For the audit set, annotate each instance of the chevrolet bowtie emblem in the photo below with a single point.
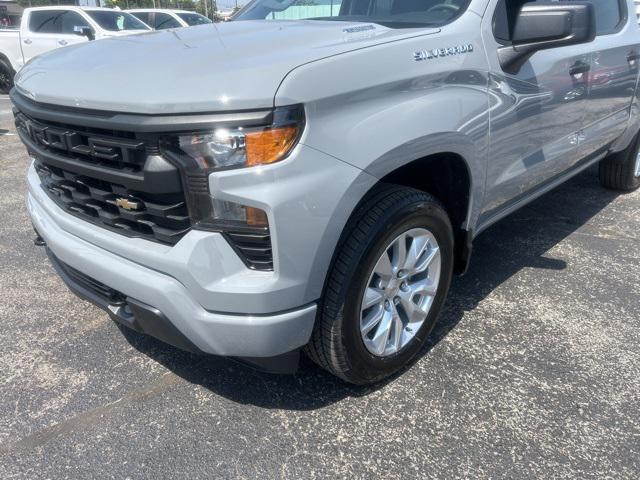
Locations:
(128, 204)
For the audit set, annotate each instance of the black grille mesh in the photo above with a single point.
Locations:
(165, 220)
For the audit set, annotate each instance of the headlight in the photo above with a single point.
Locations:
(200, 153)
(224, 148)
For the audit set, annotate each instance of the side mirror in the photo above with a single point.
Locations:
(84, 32)
(544, 25)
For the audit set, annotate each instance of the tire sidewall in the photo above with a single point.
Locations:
(419, 215)
(631, 182)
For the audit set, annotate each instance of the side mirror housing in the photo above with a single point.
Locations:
(85, 32)
(544, 25)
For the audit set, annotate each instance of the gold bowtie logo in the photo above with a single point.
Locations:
(128, 204)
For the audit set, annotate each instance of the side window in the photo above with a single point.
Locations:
(609, 15)
(142, 16)
(69, 21)
(164, 20)
(44, 21)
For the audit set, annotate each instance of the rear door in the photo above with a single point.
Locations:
(615, 66)
(51, 29)
(537, 114)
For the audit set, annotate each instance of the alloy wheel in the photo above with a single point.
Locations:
(400, 292)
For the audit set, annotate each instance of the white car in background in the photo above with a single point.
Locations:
(161, 19)
(47, 28)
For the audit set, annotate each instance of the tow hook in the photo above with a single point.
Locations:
(39, 241)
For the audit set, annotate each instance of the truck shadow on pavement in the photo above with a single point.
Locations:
(518, 242)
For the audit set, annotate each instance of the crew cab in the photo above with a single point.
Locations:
(47, 28)
(310, 177)
(161, 18)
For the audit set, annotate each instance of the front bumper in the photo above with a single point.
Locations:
(234, 335)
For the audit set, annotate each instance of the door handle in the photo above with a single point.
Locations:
(62, 42)
(579, 68)
(27, 41)
(633, 57)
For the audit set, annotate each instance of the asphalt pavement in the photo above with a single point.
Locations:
(532, 372)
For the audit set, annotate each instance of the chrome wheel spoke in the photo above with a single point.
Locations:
(399, 253)
(398, 327)
(426, 287)
(381, 337)
(383, 268)
(416, 251)
(372, 296)
(372, 319)
(415, 312)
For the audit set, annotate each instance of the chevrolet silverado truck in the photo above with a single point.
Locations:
(310, 177)
(46, 28)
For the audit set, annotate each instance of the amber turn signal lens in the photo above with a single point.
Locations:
(269, 145)
(256, 217)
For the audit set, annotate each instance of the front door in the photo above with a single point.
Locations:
(537, 113)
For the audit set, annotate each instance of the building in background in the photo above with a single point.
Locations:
(10, 14)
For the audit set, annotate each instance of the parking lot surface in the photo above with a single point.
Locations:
(533, 370)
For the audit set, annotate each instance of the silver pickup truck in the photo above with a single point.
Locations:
(310, 177)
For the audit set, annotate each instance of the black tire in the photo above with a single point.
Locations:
(336, 343)
(618, 171)
(6, 76)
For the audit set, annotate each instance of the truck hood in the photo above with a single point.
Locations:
(229, 66)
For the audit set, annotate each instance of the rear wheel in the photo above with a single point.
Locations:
(387, 286)
(6, 76)
(621, 171)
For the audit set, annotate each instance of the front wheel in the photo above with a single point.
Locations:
(389, 280)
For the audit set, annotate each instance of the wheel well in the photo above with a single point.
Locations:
(446, 177)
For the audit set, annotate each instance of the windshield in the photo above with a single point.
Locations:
(193, 19)
(390, 13)
(115, 21)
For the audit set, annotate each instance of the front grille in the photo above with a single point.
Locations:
(165, 220)
(112, 179)
(108, 148)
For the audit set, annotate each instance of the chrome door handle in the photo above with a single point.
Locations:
(62, 42)
(633, 57)
(27, 41)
